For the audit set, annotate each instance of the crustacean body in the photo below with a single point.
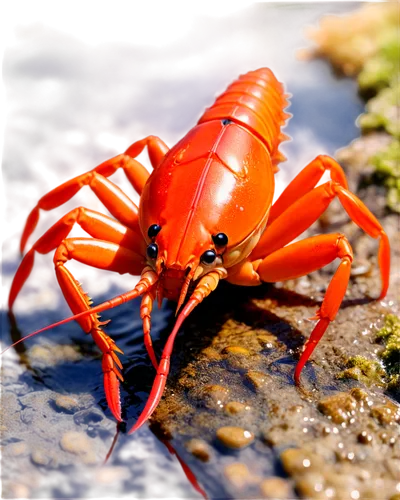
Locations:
(205, 214)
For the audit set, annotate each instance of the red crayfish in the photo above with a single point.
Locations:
(205, 214)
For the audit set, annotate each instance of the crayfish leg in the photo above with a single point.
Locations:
(145, 313)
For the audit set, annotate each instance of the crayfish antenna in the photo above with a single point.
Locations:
(206, 285)
(186, 469)
(148, 279)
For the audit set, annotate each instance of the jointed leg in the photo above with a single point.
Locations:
(98, 225)
(299, 206)
(156, 147)
(113, 198)
(103, 255)
(304, 257)
(145, 313)
(152, 148)
(305, 181)
(306, 210)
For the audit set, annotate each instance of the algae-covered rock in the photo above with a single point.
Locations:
(383, 111)
(364, 370)
(366, 44)
(377, 72)
(390, 335)
(387, 165)
(371, 371)
(351, 42)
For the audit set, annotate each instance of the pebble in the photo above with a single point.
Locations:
(257, 379)
(39, 457)
(235, 407)
(238, 475)
(275, 487)
(211, 353)
(109, 475)
(19, 490)
(234, 437)
(79, 444)
(340, 407)
(364, 438)
(311, 485)
(51, 355)
(297, 461)
(18, 449)
(386, 414)
(238, 358)
(66, 404)
(199, 449)
(213, 396)
(236, 351)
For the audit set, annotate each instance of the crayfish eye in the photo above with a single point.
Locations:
(220, 239)
(208, 257)
(153, 230)
(152, 251)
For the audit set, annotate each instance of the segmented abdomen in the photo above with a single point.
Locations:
(256, 101)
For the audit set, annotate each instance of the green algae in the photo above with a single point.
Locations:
(387, 373)
(378, 71)
(366, 45)
(389, 334)
(383, 111)
(387, 164)
(364, 370)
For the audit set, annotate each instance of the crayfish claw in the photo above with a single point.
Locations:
(112, 378)
(111, 388)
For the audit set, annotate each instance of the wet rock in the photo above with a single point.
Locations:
(45, 297)
(109, 475)
(299, 461)
(386, 414)
(40, 457)
(340, 407)
(235, 407)
(236, 351)
(234, 437)
(199, 449)
(364, 370)
(239, 475)
(211, 354)
(258, 379)
(66, 404)
(237, 357)
(51, 355)
(211, 396)
(275, 487)
(18, 449)
(77, 443)
(88, 416)
(364, 437)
